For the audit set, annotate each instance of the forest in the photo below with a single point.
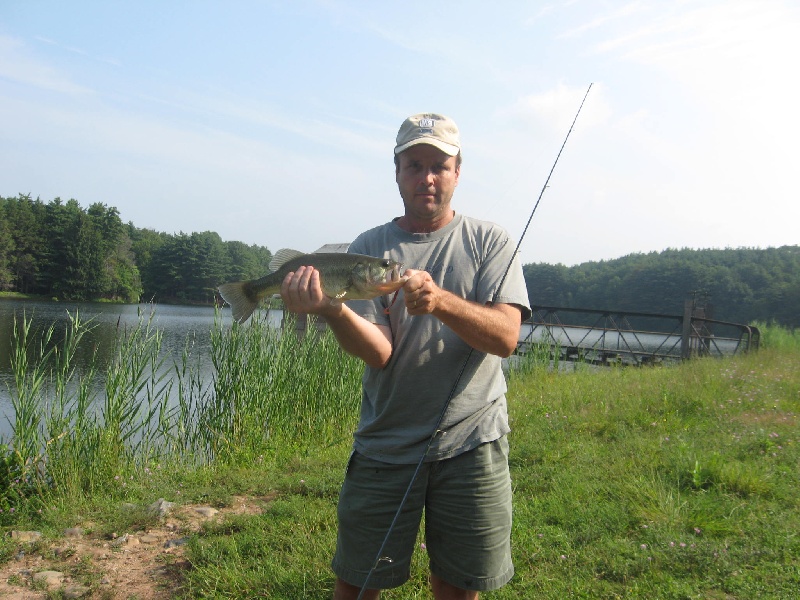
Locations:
(60, 250)
(742, 285)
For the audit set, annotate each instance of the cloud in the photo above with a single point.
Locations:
(554, 110)
(17, 65)
(625, 11)
(248, 115)
(729, 34)
(78, 51)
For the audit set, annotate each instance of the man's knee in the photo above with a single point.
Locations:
(345, 591)
(445, 591)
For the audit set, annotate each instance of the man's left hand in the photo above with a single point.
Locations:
(421, 293)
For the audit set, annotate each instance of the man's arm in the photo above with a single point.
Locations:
(302, 293)
(489, 328)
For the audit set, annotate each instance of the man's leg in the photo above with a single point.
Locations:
(345, 591)
(368, 503)
(445, 591)
(468, 517)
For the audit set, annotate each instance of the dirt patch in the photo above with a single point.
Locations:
(145, 565)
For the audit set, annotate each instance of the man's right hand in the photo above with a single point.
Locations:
(301, 292)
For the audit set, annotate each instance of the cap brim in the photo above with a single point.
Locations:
(448, 149)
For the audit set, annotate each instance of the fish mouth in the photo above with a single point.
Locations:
(392, 281)
(394, 274)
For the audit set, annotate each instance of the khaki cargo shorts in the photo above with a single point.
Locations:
(467, 505)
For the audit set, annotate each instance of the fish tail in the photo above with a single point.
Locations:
(242, 302)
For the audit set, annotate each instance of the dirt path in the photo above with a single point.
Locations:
(145, 565)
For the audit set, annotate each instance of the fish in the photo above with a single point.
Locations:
(342, 277)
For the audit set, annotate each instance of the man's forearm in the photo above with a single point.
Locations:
(359, 337)
(492, 329)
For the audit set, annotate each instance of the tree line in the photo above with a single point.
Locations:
(60, 250)
(743, 284)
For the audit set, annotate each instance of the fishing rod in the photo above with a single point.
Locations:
(379, 558)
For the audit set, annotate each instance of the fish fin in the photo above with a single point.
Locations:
(338, 298)
(283, 256)
(235, 294)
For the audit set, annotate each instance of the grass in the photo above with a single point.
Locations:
(670, 483)
(678, 482)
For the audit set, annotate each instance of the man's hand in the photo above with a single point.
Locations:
(488, 328)
(301, 292)
(421, 294)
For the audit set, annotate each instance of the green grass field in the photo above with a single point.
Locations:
(676, 482)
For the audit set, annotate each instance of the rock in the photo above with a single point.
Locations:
(26, 536)
(148, 539)
(73, 532)
(75, 591)
(206, 511)
(161, 507)
(177, 542)
(49, 578)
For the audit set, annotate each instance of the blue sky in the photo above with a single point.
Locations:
(273, 123)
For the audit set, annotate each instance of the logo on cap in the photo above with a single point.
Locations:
(426, 125)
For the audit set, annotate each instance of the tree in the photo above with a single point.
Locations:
(6, 251)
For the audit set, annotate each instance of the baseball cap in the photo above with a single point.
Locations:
(429, 128)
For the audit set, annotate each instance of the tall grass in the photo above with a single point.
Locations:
(775, 336)
(273, 388)
(79, 432)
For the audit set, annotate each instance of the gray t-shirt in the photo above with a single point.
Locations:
(402, 402)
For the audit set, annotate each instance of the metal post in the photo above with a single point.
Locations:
(686, 331)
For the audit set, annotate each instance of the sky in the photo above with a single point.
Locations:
(273, 123)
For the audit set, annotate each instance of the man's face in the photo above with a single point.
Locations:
(426, 178)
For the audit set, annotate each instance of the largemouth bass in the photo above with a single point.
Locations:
(342, 276)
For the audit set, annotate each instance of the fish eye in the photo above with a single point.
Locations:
(386, 263)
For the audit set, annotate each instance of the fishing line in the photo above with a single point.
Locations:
(380, 556)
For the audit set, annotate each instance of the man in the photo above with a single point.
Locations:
(415, 349)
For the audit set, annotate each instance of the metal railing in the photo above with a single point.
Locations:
(632, 338)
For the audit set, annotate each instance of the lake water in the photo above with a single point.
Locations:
(178, 325)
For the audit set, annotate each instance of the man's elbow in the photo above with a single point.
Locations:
(509, 331)
(507, 348)
(504, 346)
(378, 360)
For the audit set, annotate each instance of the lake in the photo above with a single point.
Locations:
(179, 325)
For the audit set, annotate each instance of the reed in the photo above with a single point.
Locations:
(78, 431)
(778, 337)
(274, 387)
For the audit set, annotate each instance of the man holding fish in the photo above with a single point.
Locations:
(449, 317)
